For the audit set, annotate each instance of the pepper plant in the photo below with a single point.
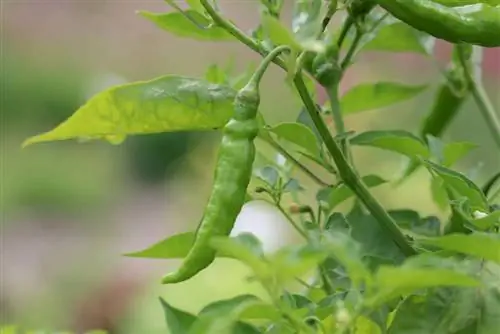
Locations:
(365, 270)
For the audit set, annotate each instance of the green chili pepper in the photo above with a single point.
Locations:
(232, 176)
(477, 24)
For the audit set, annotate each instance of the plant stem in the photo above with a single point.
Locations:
(349, 176)
(297, 163)
(352, 49)
(345, 29)
(294, 224)
(478, 92)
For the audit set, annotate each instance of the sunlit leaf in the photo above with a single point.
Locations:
(399, 141)
(179, 25)
(165, 104)
(369, 96)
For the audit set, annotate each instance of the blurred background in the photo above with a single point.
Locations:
(69, 210)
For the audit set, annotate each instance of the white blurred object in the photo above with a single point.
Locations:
(266, 223)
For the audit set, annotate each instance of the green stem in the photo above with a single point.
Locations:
(297, 163)
(294, 224)
(349, 176)
(482, 100)
(264, 64)
(352, 49)
(345, 29)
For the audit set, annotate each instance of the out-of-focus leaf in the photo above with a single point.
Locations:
(179, 25)
(396, 37)
(369, 96)
(342, 192)
(399, 141)
(481, 245)
(165, 104)
(174, 247)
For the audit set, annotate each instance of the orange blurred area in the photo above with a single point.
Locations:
(70, 210)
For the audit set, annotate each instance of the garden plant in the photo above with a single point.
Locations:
(364, 270)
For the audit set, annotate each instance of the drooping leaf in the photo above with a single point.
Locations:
(396, 37)
(461, 185)
(369, 96)
(166, 104)
(298, 134)
(174, 247)
(178, 321)
(482, 245)
(179, 25)
(399, 141)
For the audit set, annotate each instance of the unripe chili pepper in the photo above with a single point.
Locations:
(232, 176)
(477, 24)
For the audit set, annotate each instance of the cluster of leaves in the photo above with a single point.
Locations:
(363, 282)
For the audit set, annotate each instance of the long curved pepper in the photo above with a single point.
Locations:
(231, 178)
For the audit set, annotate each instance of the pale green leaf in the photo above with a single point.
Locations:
(396, 37)
(174, 247)
(298, 134)
(178, 321)
(477, 244)
(399, 141)
(369, 96)
(166, 104)
(179, 25)
(342, 192)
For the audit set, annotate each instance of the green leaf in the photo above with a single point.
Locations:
(269, 175)
(374, 240)
(216, 75)
(294, 261)
(399, 141)
(165, 104)
(369, 96)
(260, 311)
(460, 185)
(487, 221)
(438, 192)
(342, 192)
(456, 151)
(396, 37)
(278, 33)
(307, 19)
(298, 134)
(222, 317)
(178, 321)
(397, 281)
(174, 247)
(442, 311)
(481, 245)
(306, 120)
(348, 253)
(195, 5)
(179, 25)
(248, 251)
